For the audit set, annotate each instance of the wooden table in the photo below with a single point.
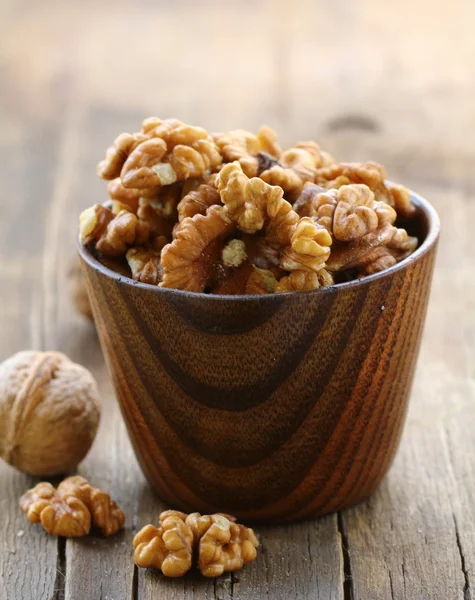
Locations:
(394, 82)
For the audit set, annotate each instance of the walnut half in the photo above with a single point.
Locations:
(69, 510)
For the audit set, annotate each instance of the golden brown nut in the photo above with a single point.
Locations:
(145, 265)
(242, 146)
(375, 247)
(370, 173)
(252, 203)
(244, 198)
(49, 412)
(267, 140)
(198, 201)
(173, 152)
(348, 213)
(144, 167)
(190, 261)
(286, 178)
(106, 515)
(304, 280)
(309, 247)
(116, 155)
(400, 199)
(354, 215)
(223, 545)
(93, 222)
(376, 260)
(311, 198)
(401, 244)
(168, 548)
(296, 167)
(196, 159)
(60, 514)
(261, 281)
(111, 233)
(322, 158)
(123, 231)
(128, 197)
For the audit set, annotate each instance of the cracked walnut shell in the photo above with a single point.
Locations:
(49, 412)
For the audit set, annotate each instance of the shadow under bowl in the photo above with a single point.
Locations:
(274, 408)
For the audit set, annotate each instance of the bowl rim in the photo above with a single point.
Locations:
(429, 241)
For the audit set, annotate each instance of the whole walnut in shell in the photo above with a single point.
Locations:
(49, 412)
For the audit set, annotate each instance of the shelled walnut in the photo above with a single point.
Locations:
(49, 412)
(217, 214)
(168, 547)
(219, 543)
(70, 509)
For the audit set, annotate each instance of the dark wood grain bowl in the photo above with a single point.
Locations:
(274, 408)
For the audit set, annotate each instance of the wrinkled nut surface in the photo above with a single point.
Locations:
(304, 280)
(145, 265)
(168, 547)
(309, 247)
(69, 510)
(198, 201)
(49, 412)
(106, 515)
(203, 213)
(224, 545)
(221, 545)
(370, 173)
(60, 514)
(189, 261)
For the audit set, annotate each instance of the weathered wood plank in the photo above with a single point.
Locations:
(28, 557)
(94, 567)
(298, 561)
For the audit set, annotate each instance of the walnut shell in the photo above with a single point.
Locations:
(49, 412)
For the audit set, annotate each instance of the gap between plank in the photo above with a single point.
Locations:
(467, 594)
(348, 592)
(60, 579)
(135, 583)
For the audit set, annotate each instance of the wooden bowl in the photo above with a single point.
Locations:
(274, 408)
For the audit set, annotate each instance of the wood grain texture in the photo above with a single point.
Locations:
(277, 408)
(368, 80)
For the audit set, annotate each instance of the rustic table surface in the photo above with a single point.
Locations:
(394, 82)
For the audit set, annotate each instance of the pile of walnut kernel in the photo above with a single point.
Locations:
(233, 213)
